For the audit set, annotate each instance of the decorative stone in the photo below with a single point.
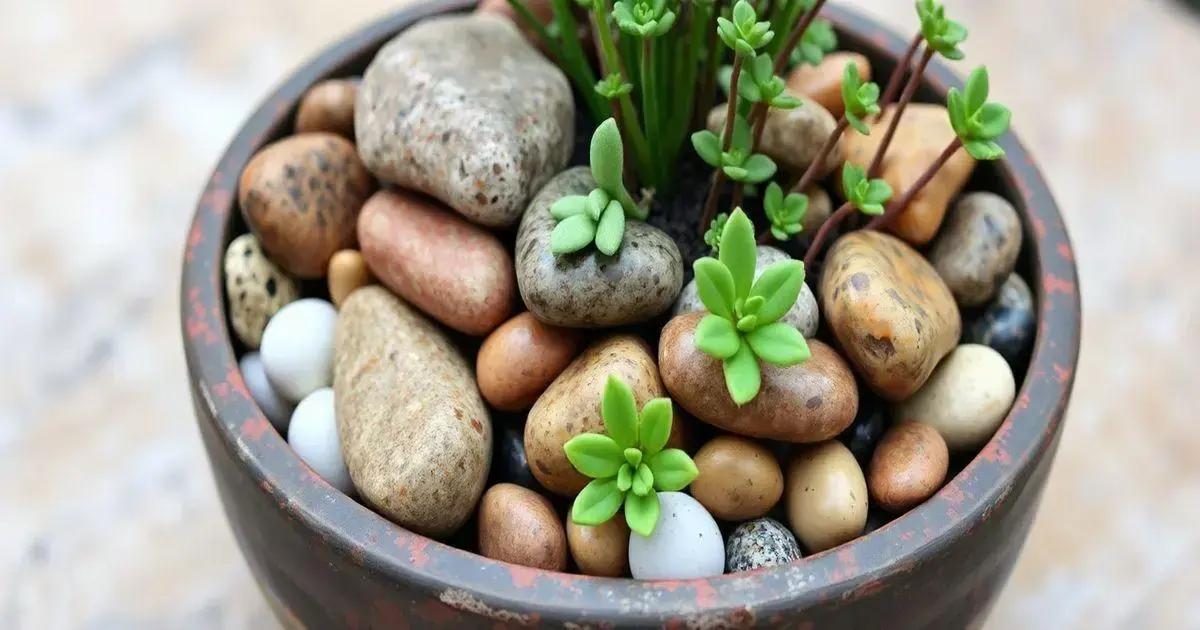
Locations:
(804, 314)
(461, 107)
(274, 407)
(792, 137)
(890, 311)
(312, 433)
(328, 106)
(1007, 324)
(922, 135)
(977, 247)
(602, 550)
(571, 406)
(809, 402)
(966, 399)
(764, 542)
(588, 289)
(863, 435)
(415, 433)
(519, 360)
(739, 478)
(685, 544)
(508, 462)
(520, 526)
(347, 271)
(820, 207)
(456, 272)
(908, 466)
(297, 348)
(826, 495)
(301, 197)
(256, 288)
(822, 83)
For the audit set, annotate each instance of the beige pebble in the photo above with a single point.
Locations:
(602, 550)
(347, 272)
(520, 526)
(826, 496)
(739, 478)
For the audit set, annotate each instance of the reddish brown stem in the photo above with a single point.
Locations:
(827, 228)
(810, 174)
(714, 192)
(910, 89)
(899, 204)
(765, 237)
(759, 112)
(894, 81)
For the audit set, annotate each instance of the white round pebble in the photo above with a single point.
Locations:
(297, 348)
(313, 435)
(686, 543)
(277, 410)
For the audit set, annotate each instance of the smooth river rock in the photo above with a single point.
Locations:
(822, 83)
(297, 348)
(826, 495)
(739, 478)
(1008, 323)
(463, 108)
(588, 289)
(415, 433)
(519, 360)
(520, 526)
(809, 402)
(312, 433)
(892, 315)
(328, 106)
(347, 271)
(255, 287)
(792, 137)
(685, 544)
(601, 550)
(908, 466)
(455, 271)
(977, 247)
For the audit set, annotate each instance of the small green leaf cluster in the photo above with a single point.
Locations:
(742, 326)
(860, 98)
(739, 163)
(643, 18)
(712, 236)
(977, 122)
(629, 465)
(784, 212)
(760, 84)
(599, 216)
(818, 40)
(869, 196)
(744, 34)
(613, 86)
(941, 34)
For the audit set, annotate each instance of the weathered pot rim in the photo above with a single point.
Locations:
(507, 592)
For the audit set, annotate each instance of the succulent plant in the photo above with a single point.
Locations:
(976, 122)
(599, 216)
(786, 213)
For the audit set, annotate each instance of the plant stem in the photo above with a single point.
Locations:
(765, 237)
(897, 205)
(810, 174)
(910, 89)
(759, 114)
(827, 228)
(902, 67)
(612, 61)
(714, 192)
(650, 107)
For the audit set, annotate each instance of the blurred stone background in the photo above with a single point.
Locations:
(112, 114)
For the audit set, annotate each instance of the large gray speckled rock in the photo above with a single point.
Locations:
(803, 315)
(763, 542)
(588, 289)
(977, 247)
(463, 108)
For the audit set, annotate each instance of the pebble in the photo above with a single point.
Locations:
(328, 106)
(520, 526)
(274, 407)
(685, 545)
(792, 137)
(820, 207)
(301, 197)
(602, 550)
(347, 271)
(822, 83)
(297, 348)
(891, 313)
(519, 360)
(922, 135)
(589, 289)
(826, 495)
(313, 434)
(869, 426)
(977, 247)
(415, 432)
(908, 466)
(508, 462)
(764, 542)
(809, 402)
(1007, 324)
(739, 478)
(256, 287)
(804, 314)
(456, 272)
(481, 124)
(966, 399)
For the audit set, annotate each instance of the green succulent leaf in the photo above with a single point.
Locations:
(712, 237)
(654, 429)
(744, 33)
(878, 191)
(784, 213)
(747, 323)
(749, 89)
(742, 376)
(597, 502)
(853, 176)
(643, 18)
(641, 512)
(572, 234)
(738, 252)
(861, 99)
(633, 457)
(715, 285)
(759, 168)
(983, 150)
(785, 101)
(742, 134)
(673, 470)
(818, 39)
(594, 455)
(611, 229)
(993, 120)
(717, 337)
(643, 480)
(607, 156)
(613, 86)
(779, 344)
(708, 147)
(736, 173)
(977, 122)
(597, 200)
(568, 206)
(625, 477)
(941, 34)
(779, 286)
(618, 409)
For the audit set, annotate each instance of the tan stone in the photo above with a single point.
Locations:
(822, 83)
(908, 466)
(347, 272)
(520, 526)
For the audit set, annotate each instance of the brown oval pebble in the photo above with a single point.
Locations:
(457, 272)
(520, 359)
(823, 82)
(347, 272)
(826, 495)
(602, 550)
(739, 479)
(301, 197)
(520, 526)
(328, 106)
(908, 466)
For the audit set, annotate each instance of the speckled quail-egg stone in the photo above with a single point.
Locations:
(763, 542)
(685, 544)
(313, 434)
(256, 287)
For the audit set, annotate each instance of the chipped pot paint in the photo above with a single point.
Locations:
(323, 560)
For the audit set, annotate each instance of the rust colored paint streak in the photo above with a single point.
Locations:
(194, 241)
(1063, 374)
(198, 328)
(847, 564)
(706, 595)
(233, 377)
(522, 577)
(994, 451)
(255, 427)
(416, 548)
(1039, 227)
(1065, 252)
(1054, 284)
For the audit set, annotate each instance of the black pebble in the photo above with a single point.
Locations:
(868, 426)
(1007, 323)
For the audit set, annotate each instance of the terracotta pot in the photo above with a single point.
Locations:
(323, 560)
